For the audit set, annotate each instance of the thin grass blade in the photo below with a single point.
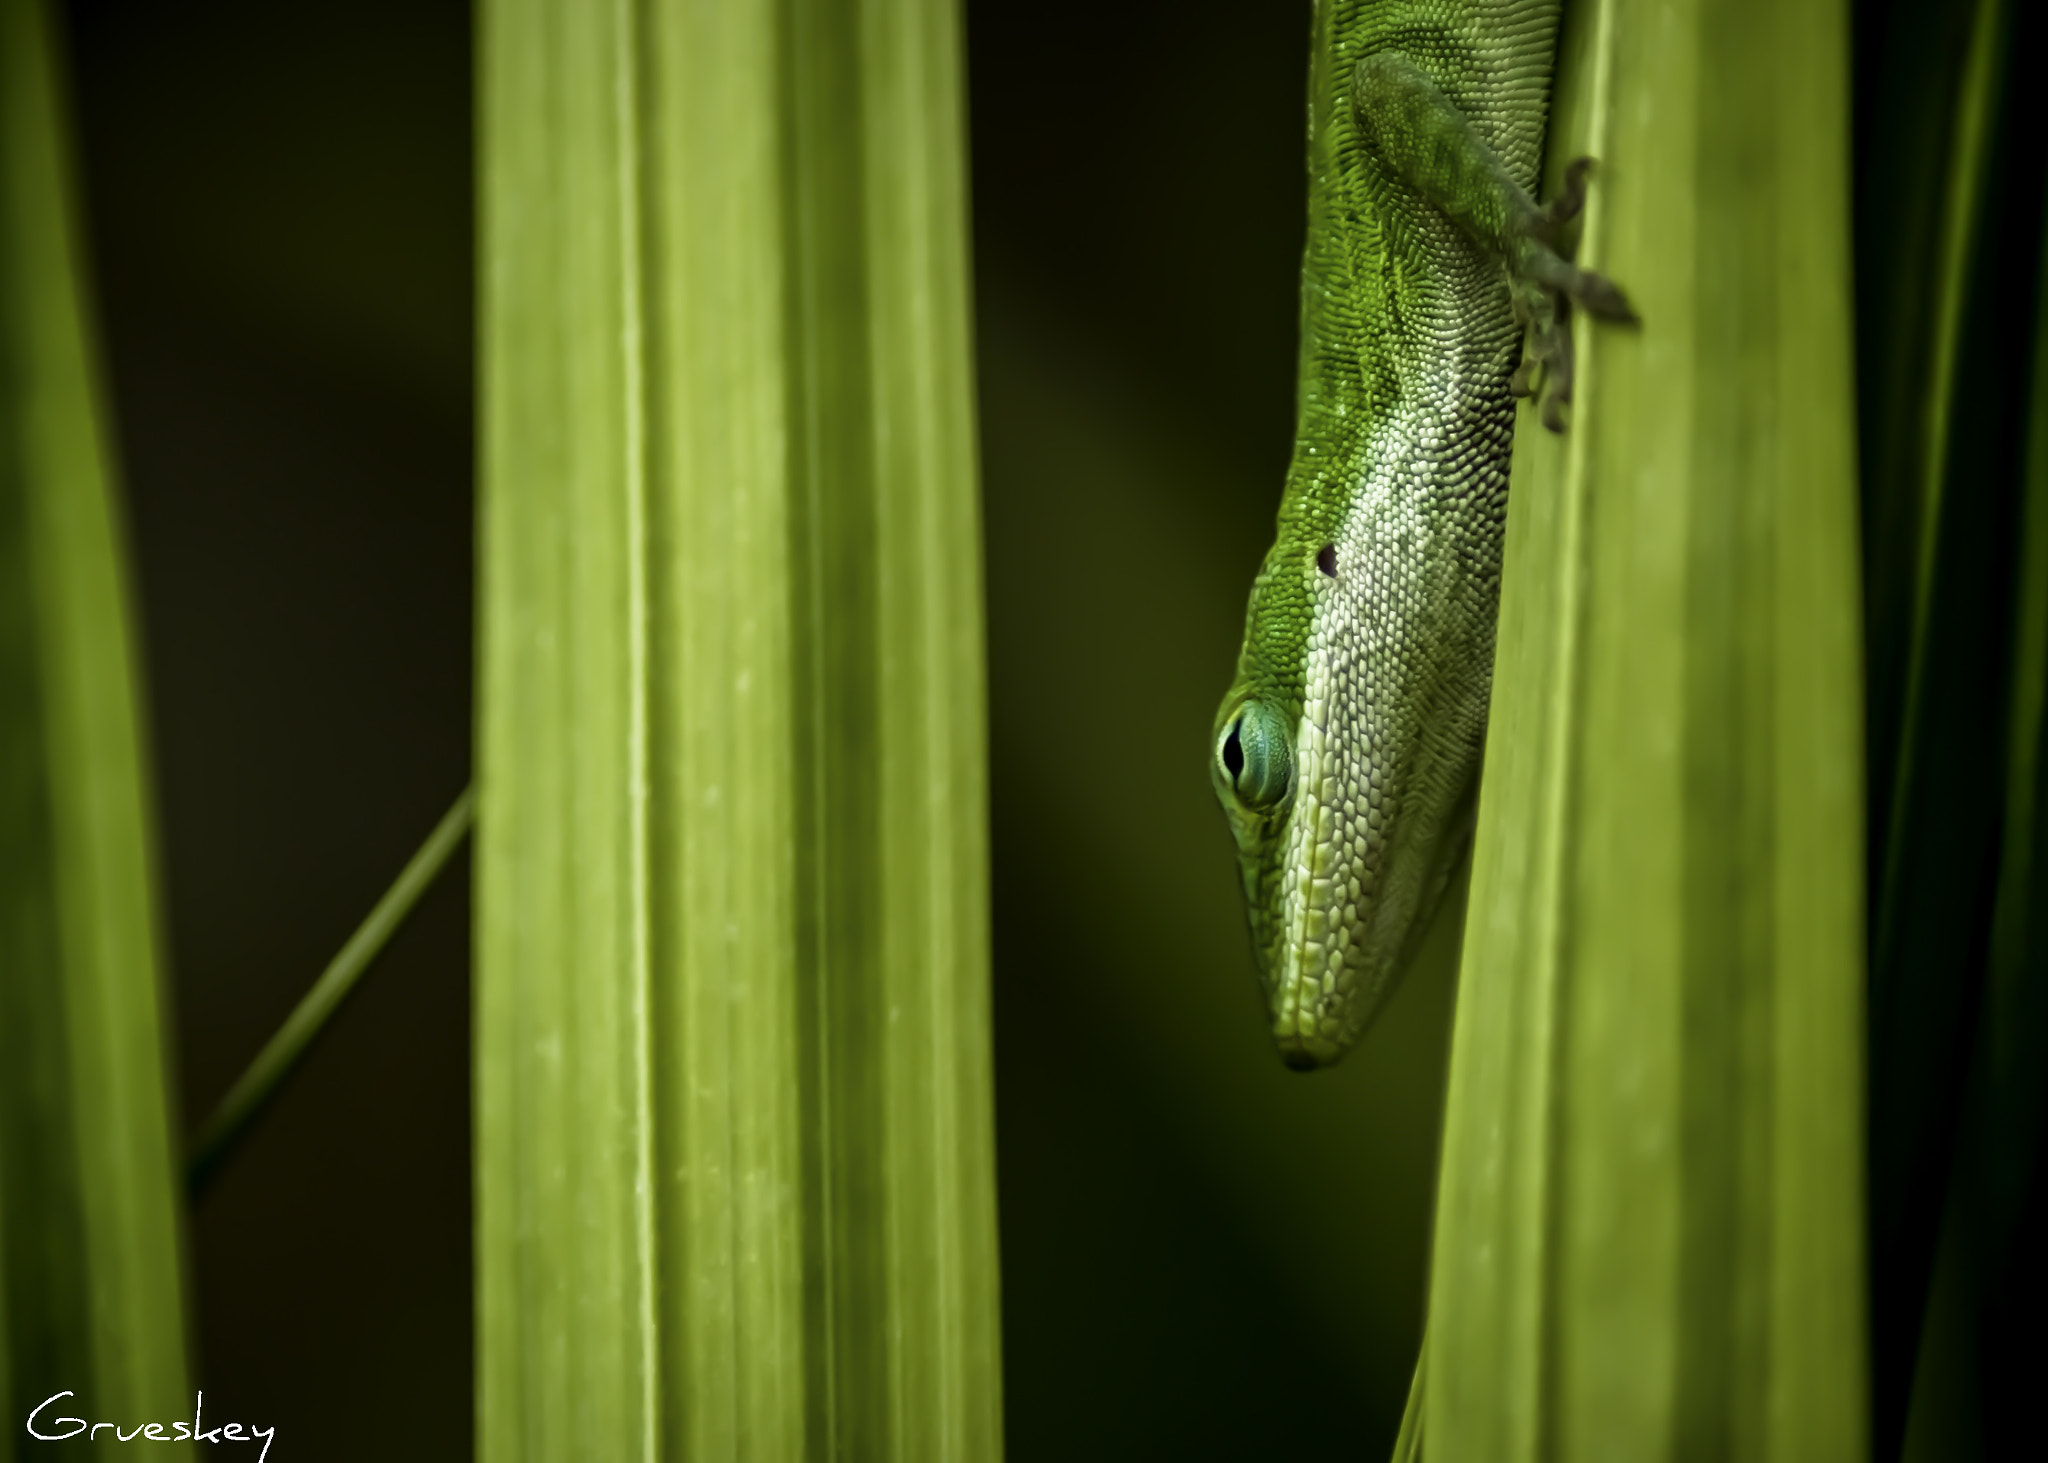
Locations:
(280, 1056)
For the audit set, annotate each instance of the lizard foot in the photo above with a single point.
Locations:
(1546, 285)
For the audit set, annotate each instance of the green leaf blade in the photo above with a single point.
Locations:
(1648, 1234)
(91, 1263)
(735, 1173)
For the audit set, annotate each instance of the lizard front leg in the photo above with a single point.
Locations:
(1427, 141)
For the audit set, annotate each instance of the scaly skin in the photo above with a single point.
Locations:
(1346, 753)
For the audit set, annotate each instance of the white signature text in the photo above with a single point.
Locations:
(63, 1428)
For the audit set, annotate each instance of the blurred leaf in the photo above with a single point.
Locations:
(734, 1135)
(1408, 1441)
(1976, 1354)
(1948, 259)
(1648, 1237)
(90, 1262)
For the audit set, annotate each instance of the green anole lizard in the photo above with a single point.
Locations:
(1346, 752)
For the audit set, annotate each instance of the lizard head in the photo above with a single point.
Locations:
(1344, 756)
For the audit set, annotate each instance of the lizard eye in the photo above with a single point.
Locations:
(1255, 758)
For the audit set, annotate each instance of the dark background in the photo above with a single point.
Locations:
(1203, 1255)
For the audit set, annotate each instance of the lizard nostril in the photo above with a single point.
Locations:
(1326, 560)
(1298, 1061)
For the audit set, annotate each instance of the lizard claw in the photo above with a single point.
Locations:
(1562, 209)
(1545, 285)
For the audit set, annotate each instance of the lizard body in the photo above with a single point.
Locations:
(1346, 752)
